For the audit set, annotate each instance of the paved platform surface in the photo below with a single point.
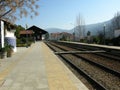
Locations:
(36, 68)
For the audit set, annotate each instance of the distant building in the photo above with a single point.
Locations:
(117, 33)
(61, 36)
(55, 36)
(26, 33)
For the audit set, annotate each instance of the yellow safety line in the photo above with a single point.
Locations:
(57, 76)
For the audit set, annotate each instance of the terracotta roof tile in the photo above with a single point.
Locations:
(26, 32)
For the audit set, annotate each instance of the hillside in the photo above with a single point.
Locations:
(93, 28)
(54, 30)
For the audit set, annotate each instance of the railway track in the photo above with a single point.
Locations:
(109, 54)
(79, 63)
(110, 64)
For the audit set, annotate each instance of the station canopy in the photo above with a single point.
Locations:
(37, 30)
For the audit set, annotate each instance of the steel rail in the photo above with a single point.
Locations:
(107, 69)
(94, 83)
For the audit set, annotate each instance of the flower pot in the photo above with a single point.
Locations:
(2, 55)
(9, 53)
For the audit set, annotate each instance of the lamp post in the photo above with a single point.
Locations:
(26, 36)
(73, 31)
(104, 33)
(73, 34)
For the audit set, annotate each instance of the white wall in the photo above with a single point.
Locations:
(117, 33)
(11, 39)
(2, 33)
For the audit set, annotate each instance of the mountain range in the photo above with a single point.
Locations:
(93, 28)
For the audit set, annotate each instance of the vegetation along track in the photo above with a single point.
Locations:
(100, 75)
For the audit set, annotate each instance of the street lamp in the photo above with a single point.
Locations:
(26, 36)
(104, 26)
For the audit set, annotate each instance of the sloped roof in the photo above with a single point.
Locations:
(26, 32)
(37, 30)
(8, 23)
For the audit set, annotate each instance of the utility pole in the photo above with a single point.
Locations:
(104, 42)
(73, 31)
(74, 34)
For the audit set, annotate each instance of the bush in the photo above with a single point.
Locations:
(9, 50)
(116, 41)
(23, 42)
(83, 40)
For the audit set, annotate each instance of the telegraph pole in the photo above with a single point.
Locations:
(104, 33)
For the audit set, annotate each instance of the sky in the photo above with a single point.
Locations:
(62, 13)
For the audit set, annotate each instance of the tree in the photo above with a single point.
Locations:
(100, 37)
(116, 21)
(11, 10)
(63, 38)
(88, 33)
(47, 36)
(18, 29)
(114, 25)
(80, 29)
(89, 37)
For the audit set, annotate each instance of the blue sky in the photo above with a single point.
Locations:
(62, 13)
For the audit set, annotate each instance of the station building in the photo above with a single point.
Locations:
(38, 32)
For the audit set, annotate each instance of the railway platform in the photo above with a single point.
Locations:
(37, 68)
(95, 45)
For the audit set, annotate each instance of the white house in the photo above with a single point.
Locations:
(7, 34)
